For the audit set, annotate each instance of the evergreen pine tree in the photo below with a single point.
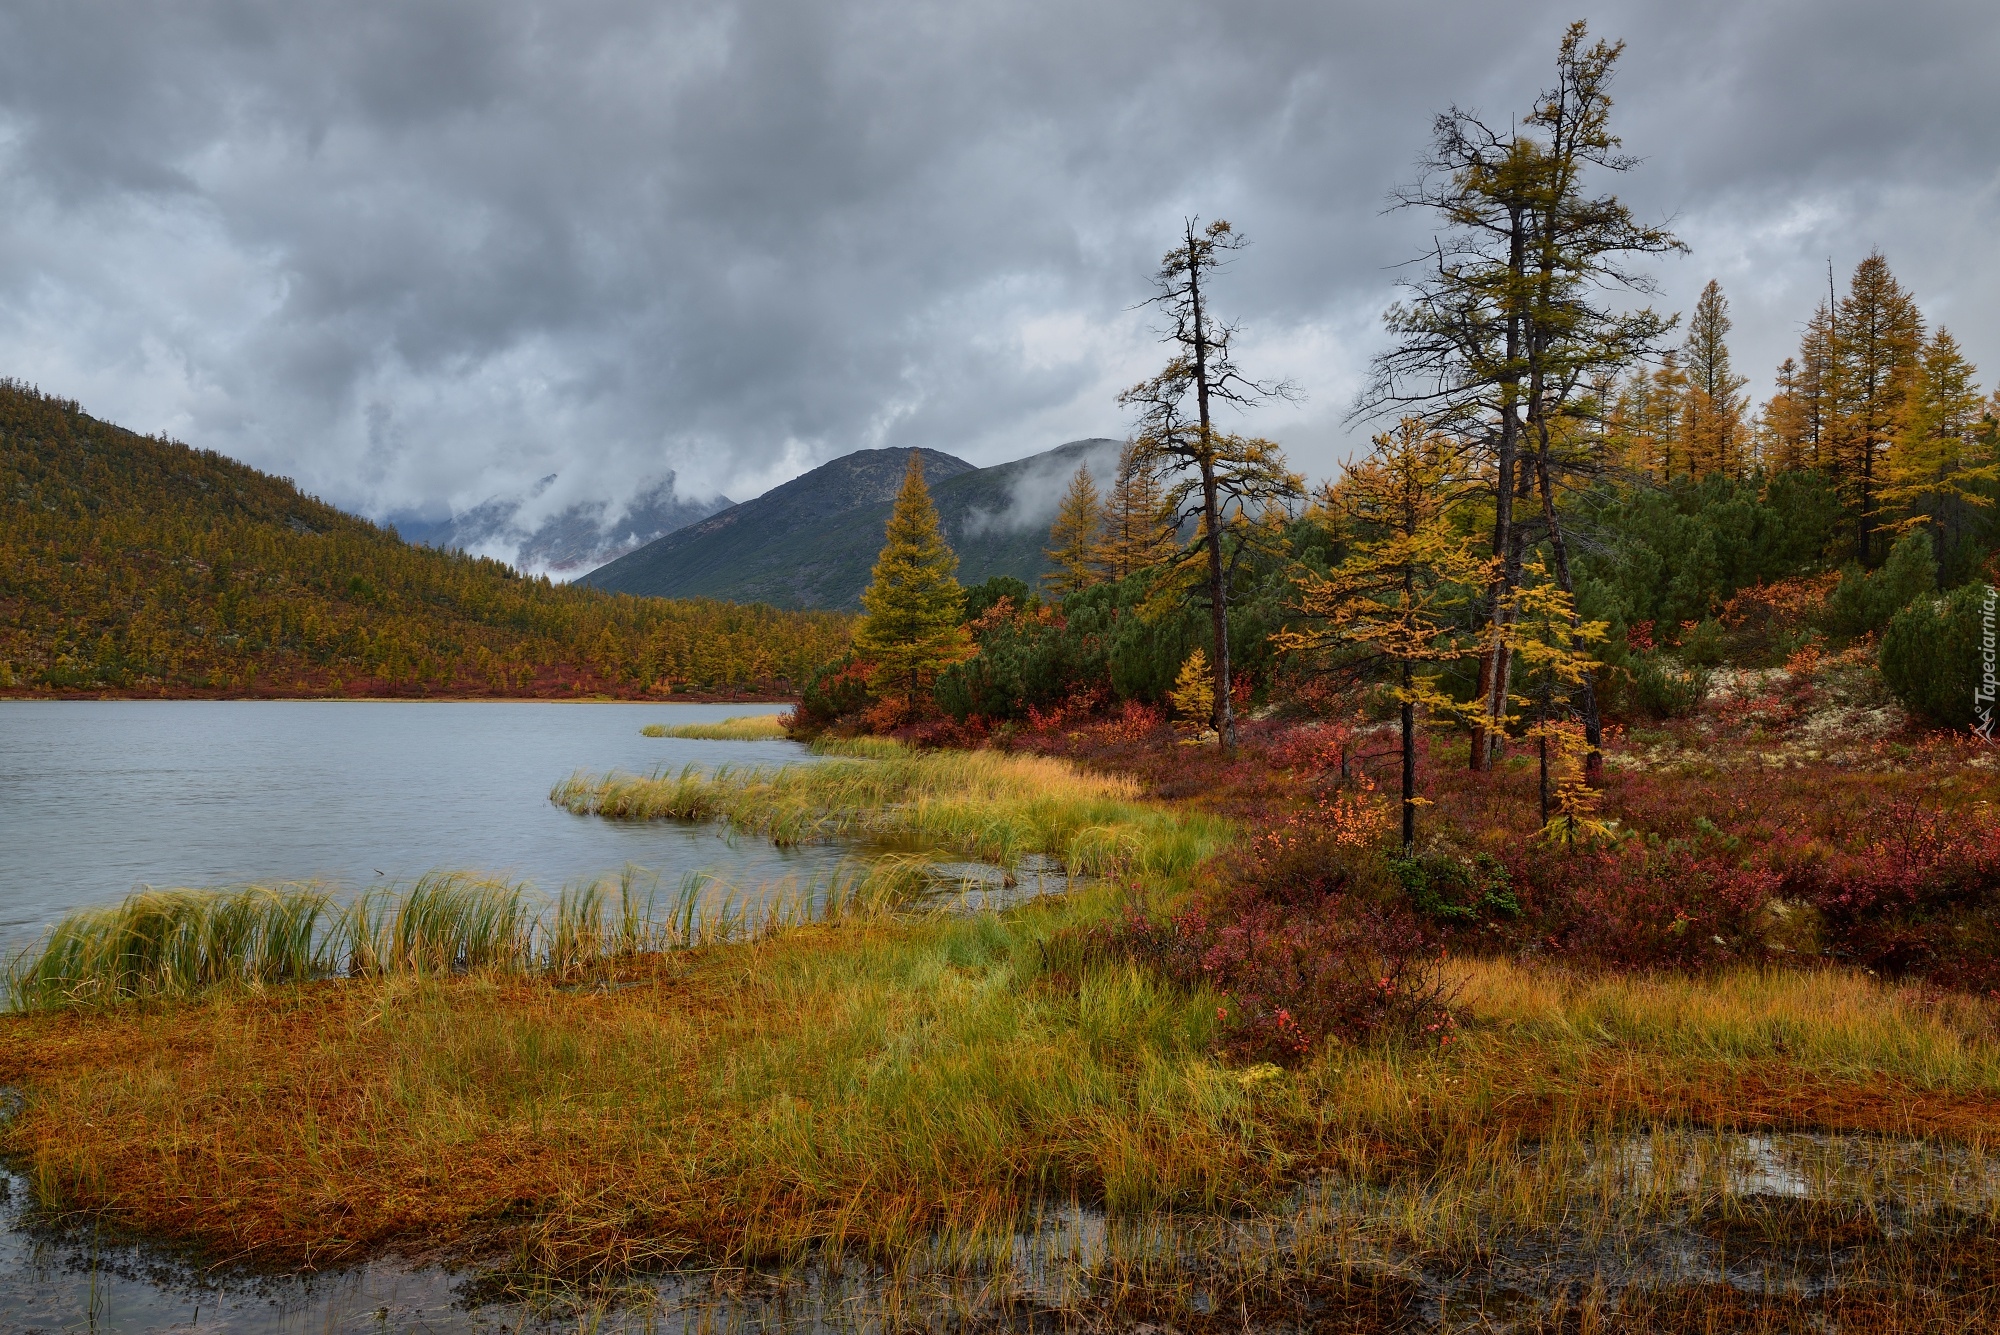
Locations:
(913, 601)
(1074, 544)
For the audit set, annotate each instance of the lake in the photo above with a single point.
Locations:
(98, 797)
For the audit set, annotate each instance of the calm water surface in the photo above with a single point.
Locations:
(100, 797)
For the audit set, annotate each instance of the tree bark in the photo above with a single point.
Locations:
(1543, 746)
(1494, 668)
(1593, 724)
(1409, 721)
(1211, 520)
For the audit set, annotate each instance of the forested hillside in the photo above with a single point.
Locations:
(140, 566)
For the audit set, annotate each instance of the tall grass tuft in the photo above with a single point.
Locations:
(742, 728)
(176, 941)
(448, 922)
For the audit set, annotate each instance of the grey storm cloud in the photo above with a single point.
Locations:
(418, 254)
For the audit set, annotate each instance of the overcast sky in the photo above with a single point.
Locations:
(418, 254)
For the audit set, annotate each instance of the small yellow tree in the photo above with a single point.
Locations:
(1193, 696)
(913, 628)
(1074, 539)
(1551, 651)
(1405, 596)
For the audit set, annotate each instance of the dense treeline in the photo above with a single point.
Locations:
(135, 565)
(1676, 498)
(1576, 512)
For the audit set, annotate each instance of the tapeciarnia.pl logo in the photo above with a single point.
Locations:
(1982, 695)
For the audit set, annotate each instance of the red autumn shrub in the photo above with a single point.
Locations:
(1071, 713)
(1644, 908)
(1298, 974)
(1294, 975)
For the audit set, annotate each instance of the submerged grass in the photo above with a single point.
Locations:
(981, 804)
(742, 728)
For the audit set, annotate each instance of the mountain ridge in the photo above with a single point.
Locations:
(811, 542)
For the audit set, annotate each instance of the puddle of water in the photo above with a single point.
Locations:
(974, 887)
(1489, 1247)
(51, 1284)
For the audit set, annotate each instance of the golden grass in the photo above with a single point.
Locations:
(915, 1087)
(981, 804)
(181, 942)
(741, 728)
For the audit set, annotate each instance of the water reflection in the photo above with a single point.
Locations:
(1609, 1216)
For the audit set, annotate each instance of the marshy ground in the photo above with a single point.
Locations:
(864, 1112)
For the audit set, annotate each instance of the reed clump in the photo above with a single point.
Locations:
(159, 943)
(981, 804)
(177, 941)
(741, 728)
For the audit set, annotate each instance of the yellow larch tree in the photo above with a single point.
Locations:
(1075, 539)
(1551, 647)
(1137, 530)
(1408, 592)
(1713, 406)
(1938, 470)
(913, 627)
(1877, 339)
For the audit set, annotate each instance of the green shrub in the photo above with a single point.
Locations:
(1705, 646)
(1864, 602)
(1933, 656)
(1444, 886)
(836, 690)
(1654, 687)
(981, 597)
